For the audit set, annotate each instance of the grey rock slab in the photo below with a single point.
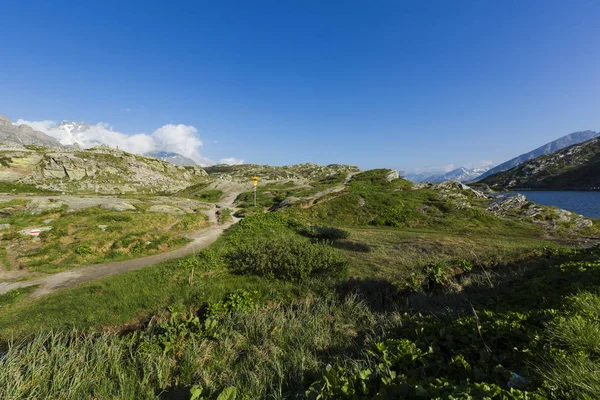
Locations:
(161, 208)
(118, 207)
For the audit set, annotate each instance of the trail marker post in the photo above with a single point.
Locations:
(255, 182)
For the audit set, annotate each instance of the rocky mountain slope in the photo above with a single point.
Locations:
(575, 167)
(548, 148)
(22, 135)
(460, 174)
(99, 170)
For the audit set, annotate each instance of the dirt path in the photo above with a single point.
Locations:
(66, 279)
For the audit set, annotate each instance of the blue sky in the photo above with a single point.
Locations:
(395, 84)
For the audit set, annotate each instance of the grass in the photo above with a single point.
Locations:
(91, 235)
(441, 301)
(17, 188)
(201, 193)
(13, 296)
(366, 342)
(225, 215)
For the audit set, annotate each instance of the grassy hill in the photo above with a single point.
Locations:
(359, 287)
(576, 167)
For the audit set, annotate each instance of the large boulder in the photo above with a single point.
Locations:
(162, 208)
(40, 206)
(118, 207)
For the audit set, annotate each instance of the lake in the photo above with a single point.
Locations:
(584, 203)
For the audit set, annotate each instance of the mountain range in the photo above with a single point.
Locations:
(23, 135)
(465, 175)
(460, 174)
(548, 148)
(574, 167)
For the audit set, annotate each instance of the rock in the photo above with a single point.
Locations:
(27, 232)
(583, 223)
(506, 203)
(49, 220)
(392, 175)
(118, 207)
(4, 226)
(39, 206)
(103, 227)
(162, 208)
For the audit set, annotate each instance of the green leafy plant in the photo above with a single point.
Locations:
(83, 250)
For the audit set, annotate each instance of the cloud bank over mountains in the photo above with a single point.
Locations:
(173, 138)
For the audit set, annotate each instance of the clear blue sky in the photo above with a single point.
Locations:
(373, 83)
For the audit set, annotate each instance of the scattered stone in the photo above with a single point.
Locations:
(49, 220)
(4, 226)
(118, 207)
(103, 227)
(162, 208)
(27, 232)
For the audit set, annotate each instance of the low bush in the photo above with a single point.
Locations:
(324, 232)
(83, 250)
(288, 258)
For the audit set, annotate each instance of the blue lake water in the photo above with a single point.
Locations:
(584, 203)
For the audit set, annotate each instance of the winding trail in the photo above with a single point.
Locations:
(67, 279)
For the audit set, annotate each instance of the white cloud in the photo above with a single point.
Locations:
(181, 139)
(231, 161)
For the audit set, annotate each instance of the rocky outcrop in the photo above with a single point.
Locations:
(392, 175)
(517, 206)
(503, 205)
(267, 172)
(99, 170)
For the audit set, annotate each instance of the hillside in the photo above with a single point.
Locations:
(306, 171)
(99, 170)
(366, 286)
(575, 167)
(548, 148)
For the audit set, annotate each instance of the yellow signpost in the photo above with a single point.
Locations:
(255, 182)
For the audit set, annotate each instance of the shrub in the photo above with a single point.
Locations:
(83, 250)
(324, 232)
(292, 259)
(137, 247)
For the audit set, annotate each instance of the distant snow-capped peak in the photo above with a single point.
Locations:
(460, 174)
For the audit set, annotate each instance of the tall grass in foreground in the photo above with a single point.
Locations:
(266, 353)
